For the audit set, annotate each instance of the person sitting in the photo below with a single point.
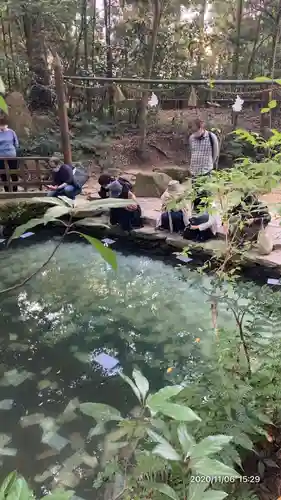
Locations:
(64, 180)
(129, 217)
(173, 219)
(247, 218)
(202, 226)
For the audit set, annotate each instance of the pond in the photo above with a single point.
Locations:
(55, 334)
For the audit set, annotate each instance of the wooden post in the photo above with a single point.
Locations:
(265, 117)
(62, 111)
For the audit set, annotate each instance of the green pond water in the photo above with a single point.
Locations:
(52, 330)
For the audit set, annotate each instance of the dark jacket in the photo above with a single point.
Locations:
(251, 208)
(64, 174)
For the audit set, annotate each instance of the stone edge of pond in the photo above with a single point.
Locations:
(150, 239)
(14, 212)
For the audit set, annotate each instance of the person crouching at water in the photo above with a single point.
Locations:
(173, 219)
(63, 179)
(246, 219)
(129, 217)
(202, 226)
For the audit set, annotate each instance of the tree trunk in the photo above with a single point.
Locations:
(6, 54)
(33, 31)
(275, 41)
(40, 96)
(157, 11)
(201, 25)
(93, 23)
(109, 56)
(255, 46)
(86, 52)
(236, 55)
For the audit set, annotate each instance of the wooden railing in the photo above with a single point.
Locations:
(24, 175)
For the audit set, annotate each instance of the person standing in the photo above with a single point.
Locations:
(8, 149)
(204, 154)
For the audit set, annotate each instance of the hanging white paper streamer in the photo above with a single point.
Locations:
(238, 104)
(153, 101)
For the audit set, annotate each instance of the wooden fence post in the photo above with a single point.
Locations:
(265, 123)
(62, 111)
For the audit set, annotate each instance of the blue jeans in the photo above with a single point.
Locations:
(69, 191)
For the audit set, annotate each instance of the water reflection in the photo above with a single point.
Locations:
(60, 337)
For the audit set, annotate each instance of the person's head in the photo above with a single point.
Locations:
(55, 162)
(249, 198)
(3, 122)
(105, 179)
(198, 126)
(115, 189)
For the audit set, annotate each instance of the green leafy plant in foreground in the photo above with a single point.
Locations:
(155, 453)
(14, 487)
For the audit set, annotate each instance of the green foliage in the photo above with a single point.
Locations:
(14, 487)
(45, 144)
(3, 105)
(160, 445)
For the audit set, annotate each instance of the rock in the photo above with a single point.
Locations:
(16, 212)
(151, 185)
(42, 122)
(20, 119)
(177, 173)
(149, 233)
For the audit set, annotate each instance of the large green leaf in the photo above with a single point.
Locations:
(214, 495)
(210, 445)
(60, 494)
(196, 490)
(55, 213)
(141, 383)
(132, 385)
(162, 488)
(100, 412)
(156, 437)
(106, 204)
(175, 411)
(186, 440)
(244, 441)
(2, 86)
(272, 104)
(209, 467)
(164, 394)
(107, 254)
(25, 227)
(8, 484)
(3, 105)
(165, 450)
(19, 490)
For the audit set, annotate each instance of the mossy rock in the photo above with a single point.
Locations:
(20, 211)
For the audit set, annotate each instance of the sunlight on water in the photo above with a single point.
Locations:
(71, 326)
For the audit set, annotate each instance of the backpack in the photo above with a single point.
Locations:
(81, 176)
(211, 142)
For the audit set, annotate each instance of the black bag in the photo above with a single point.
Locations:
(81, 176)
(199, 219)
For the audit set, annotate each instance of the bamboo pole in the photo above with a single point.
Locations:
(62, 111)
(169, 82)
